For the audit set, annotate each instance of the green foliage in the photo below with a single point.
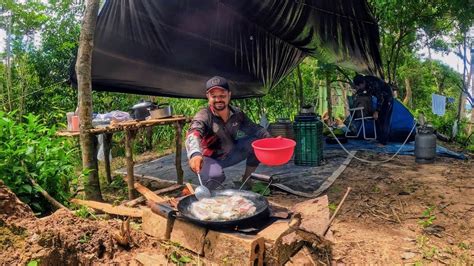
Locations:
(179, 259)
(260, 187)
(427, 217)
(84, 212)
(29, 149)
(33, 263)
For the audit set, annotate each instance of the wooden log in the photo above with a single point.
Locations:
(178, 137)
(189, 236)
(141, 199)
(108, 208)
(302, 258)
(129, 159)
(281, 242)
(148, 194)
(234, 249)
(147, 259)
(155, 225)
(314, 214)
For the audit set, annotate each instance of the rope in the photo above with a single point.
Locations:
(367, 161)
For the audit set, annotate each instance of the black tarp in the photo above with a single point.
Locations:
(171, 47)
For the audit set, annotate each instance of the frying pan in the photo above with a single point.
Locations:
(260, 202)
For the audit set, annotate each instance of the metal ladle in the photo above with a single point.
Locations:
(201, 192)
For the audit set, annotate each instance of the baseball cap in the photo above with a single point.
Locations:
(217, 81)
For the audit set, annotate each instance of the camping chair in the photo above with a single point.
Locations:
(355, 116)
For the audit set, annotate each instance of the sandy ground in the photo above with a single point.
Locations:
(399, 212)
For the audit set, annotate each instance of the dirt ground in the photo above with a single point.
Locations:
(399, 212)
(403, 212)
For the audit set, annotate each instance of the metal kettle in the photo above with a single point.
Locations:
(141, 110)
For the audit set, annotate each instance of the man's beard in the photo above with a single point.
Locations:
(219, 106)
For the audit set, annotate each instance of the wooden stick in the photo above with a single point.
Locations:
(48, 197)
(178, 137)
(141, 199)
(148, 194)
(108, 208)
(337, 210)
(190, 188)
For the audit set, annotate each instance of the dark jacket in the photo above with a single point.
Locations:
(378, 88)
(208, 135)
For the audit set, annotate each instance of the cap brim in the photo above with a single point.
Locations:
(217, 87)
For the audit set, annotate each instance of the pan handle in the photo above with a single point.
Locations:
(260, 177)
(163, 210)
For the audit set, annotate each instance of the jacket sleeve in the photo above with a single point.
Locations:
(196, 132)
(252, 129)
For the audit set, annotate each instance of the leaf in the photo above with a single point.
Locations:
(33, 263)
(27, 188)
(185, 259)
(259, 187)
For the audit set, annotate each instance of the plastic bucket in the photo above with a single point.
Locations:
(274, 151)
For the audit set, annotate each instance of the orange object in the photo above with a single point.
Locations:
(75, 123)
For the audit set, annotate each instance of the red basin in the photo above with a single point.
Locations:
(274, 151)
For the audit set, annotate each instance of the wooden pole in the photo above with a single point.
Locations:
(83, 72)
(129, 157)
(107, 147)
(178, 137)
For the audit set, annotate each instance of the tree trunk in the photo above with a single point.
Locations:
(408, 93)
(345, 101)
(83, 72)
(471, 75)
(300, 80)
(8, 64)
(328, 96)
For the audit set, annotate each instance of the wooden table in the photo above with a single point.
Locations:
(130, 128)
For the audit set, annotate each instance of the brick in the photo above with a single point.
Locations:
(154, 224)
(147, 259)
(189, 236)
(234, 248)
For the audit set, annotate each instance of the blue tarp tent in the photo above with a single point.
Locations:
(401, 123)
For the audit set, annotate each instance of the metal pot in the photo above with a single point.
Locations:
(161, 111)
(141, 110)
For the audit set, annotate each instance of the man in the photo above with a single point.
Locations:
(373, 86)
(220, 136)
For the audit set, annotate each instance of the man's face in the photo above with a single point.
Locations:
(218, 98)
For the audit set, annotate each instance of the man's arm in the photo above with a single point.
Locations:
(195, 134)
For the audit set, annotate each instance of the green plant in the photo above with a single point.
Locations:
(31, 151)
(464, 246)
(84, 212)
(259, 187)
(85, 238)
(33, 263)
(427, 217)
(179, 259)
(332, 206)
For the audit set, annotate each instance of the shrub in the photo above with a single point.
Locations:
(29, 149)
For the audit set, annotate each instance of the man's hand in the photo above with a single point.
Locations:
(376, 115)
(196, 163)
